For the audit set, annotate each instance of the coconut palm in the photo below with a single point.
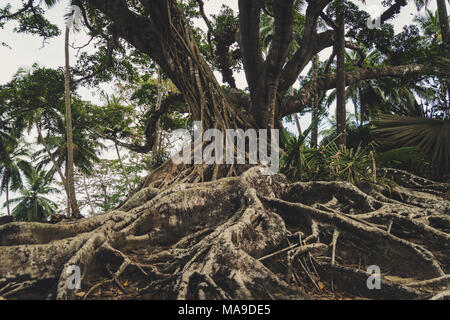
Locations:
(429, 23)
(33, 203)
(383, 96)
(13, 165)
(71, 22)
(75, 211)
(54, 153)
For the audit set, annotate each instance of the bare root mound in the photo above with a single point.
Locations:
(247, 237)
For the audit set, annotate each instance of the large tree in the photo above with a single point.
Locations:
(248, 235)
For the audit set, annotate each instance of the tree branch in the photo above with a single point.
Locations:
(151, 128)
(393, 10)
(311, 44)
(282, 38)
(296, 103)
(249, 19)
(27, 6)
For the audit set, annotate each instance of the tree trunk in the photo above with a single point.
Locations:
(315, 105)
(7, 199)
(443, 21)
(341, 114)
(69, 177)
(445, 30)
(297, 123)
(157, 144)
(88, 197)
(124, 172)
(68, 203)
(52, 159)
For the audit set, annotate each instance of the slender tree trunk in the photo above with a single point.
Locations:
(7, 200)
(88, 197)
(157, 144)
(53, 160)
(340, 82)
(445, 30)
(122, 166)
(68, 208)
(297, 123)
(315, 104)
(70, 177)
(443, 21)
(297, 120)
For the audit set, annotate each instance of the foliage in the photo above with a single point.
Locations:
(14, 163)
(430, 136)
(106, 186)
(328, 162)
(33, 203)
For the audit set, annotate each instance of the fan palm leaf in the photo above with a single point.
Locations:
(430, 136)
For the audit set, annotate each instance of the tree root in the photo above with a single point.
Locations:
(245, 237)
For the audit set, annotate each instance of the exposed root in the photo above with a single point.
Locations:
(245, 237)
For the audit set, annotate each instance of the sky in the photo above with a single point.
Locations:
(27, 49)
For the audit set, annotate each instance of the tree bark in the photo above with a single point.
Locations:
(124, 172)
(88, 197)
(7, 199)
(341, 114)
(443, 21)
(75, 211)
(315, 105)
(241, 238)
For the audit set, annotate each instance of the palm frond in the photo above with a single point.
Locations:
(430, 136)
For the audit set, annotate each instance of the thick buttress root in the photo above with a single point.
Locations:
(246, 237)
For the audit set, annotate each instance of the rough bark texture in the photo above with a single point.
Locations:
(341, 112)
(246, 237)
(75, 211)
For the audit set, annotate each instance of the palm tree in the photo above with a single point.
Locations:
(383, 96)
(71, 21)
(429, 23)
(55, 151)
(430, 136)
(13, 165)
(33, 204)
(75, 211)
